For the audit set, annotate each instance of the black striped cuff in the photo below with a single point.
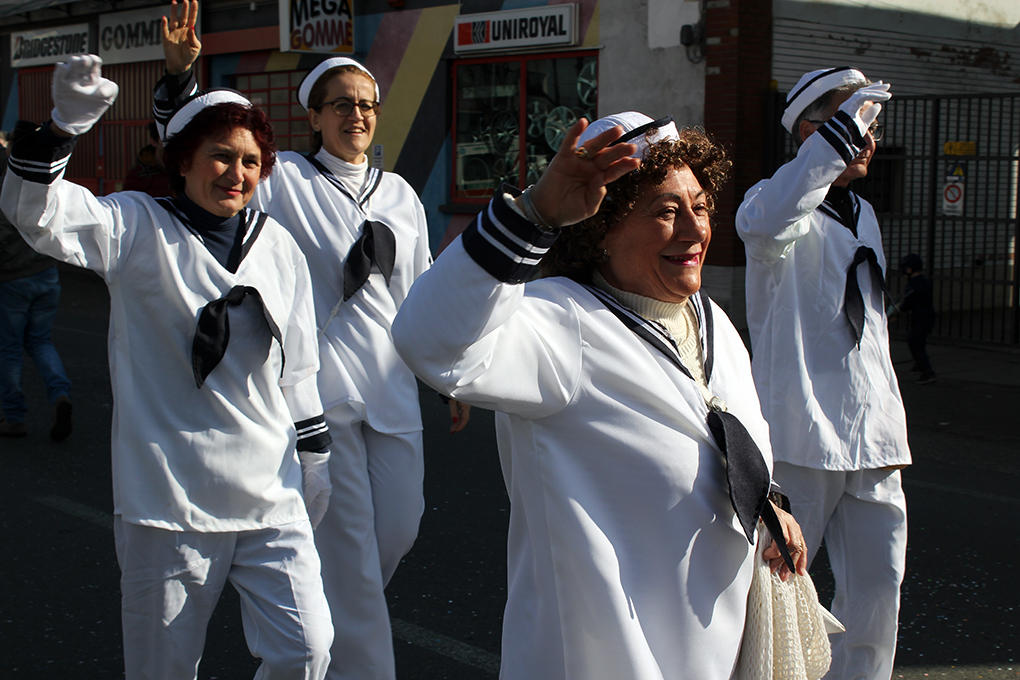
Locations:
(170, 91)
(41, 156)
(842, 133)
(312, 434)
(504, 243)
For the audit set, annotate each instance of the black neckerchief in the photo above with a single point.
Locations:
(374, 178)
(842, 205)
(746, 473)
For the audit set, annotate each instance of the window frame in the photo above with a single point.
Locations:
(522, 59)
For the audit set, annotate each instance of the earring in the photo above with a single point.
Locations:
(605, 256)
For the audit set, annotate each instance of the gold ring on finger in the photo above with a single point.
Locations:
(582, 152)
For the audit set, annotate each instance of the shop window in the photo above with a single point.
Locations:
(276, 94)
(510, 115)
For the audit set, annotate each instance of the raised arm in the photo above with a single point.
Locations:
(61, 219)
(469, 329)
(769, 219)
(181, 45)
(181, 48)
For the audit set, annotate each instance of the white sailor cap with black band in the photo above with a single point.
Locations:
(190, 108)
(637, 129)
(305, 88)
(813, 85)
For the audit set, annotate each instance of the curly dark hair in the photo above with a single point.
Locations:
(217, 121)
(577, 251)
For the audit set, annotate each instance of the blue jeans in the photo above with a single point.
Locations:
(27, 308)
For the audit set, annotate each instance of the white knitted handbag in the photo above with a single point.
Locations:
(786, 631)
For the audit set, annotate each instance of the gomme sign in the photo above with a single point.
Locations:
(127, 37)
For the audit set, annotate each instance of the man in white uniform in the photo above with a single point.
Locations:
(821, 359)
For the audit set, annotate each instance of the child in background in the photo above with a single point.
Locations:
(917, 299)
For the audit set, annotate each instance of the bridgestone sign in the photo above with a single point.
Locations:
(48, 46)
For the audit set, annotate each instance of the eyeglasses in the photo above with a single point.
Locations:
(876, 131)
(344, 107)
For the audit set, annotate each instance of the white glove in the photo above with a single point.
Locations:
(315, 473)
(876, 92)
(81, 95)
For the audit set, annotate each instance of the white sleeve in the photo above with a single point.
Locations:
(301, 352)
(471, 331)
(59, 218)
(772, 215)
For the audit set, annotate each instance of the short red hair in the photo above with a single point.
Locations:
(218, 121)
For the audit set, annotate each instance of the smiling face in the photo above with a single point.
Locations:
(658, 249)
(346, 137)
(222, 174)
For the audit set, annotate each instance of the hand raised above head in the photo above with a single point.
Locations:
(574, 184)
(181, 45)
(81, 95)
(864, 103)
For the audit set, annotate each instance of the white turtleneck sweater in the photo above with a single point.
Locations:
(352, 175)
(679, 319)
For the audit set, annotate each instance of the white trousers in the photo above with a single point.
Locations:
(371, 523)
(171, 581)
(862, 515)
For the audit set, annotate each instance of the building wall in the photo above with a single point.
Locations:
(935, 47)
(643, 67)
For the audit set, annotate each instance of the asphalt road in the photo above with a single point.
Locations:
(59, 598)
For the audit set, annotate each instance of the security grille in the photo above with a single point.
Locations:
(944, 182)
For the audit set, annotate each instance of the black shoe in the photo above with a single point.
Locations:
(917, 368)
(62, 425)
(9, 429)
(926, 378)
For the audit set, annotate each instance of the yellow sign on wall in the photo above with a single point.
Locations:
(959, 148)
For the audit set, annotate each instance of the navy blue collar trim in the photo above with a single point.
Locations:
(374, 179)
(657, 336)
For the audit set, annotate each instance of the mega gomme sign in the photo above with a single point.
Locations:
(317, 26)
(554, 25)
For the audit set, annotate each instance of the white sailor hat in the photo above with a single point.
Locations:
(190, 108)
(305, 88)
(813, 85)
(637, 129)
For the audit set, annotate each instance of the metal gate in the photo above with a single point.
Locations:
(944, 182)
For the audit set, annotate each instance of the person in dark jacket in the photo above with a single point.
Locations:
(148, 175)
(917, 299)
(29, 293)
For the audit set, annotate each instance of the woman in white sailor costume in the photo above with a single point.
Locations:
(364, 234)
(628, 556)
(217, 425)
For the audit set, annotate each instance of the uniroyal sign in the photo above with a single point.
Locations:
(554, 25)
(317, 26)
(49, 45)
